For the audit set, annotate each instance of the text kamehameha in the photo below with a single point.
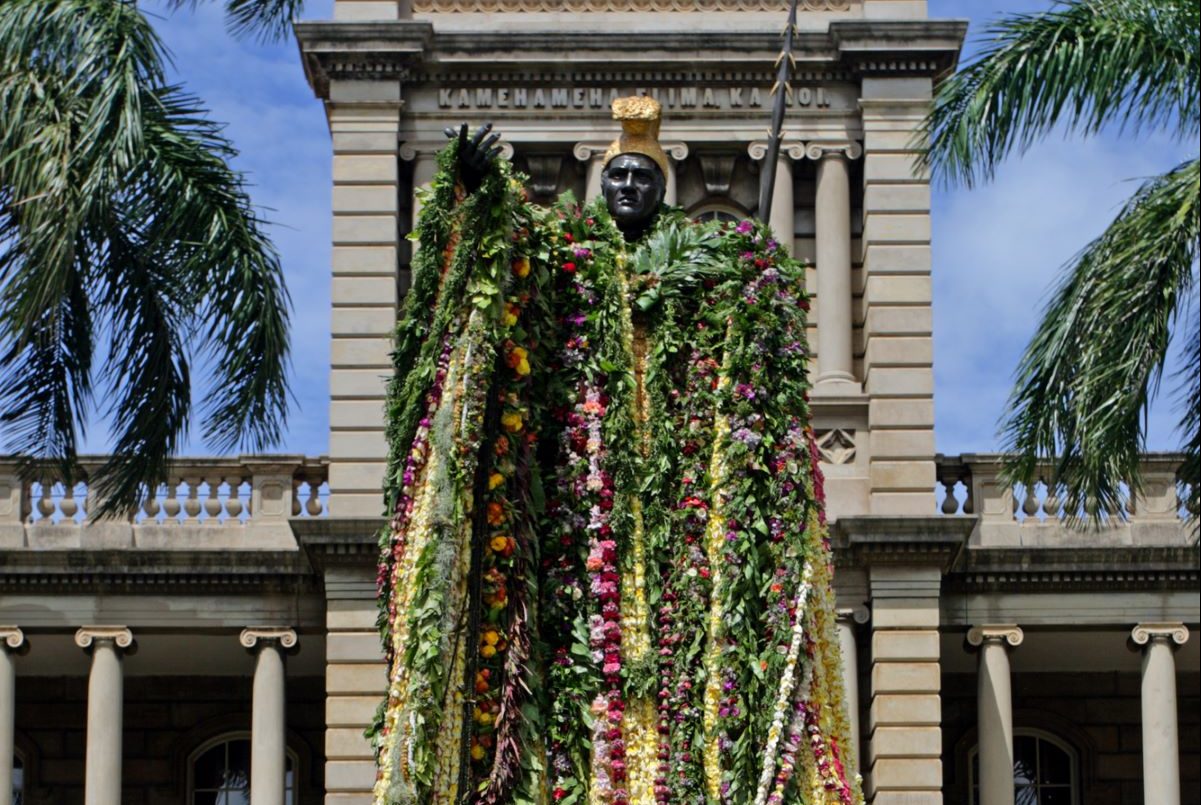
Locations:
(601, 97)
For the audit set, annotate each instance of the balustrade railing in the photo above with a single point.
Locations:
(971, 484)
(229, 493)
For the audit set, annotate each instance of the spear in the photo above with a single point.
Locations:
(781, 90)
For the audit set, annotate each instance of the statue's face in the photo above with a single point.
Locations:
(633, 186)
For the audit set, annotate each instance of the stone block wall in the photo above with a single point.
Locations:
(165, 719)
(1096, 714)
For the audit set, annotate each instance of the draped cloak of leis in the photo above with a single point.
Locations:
(607, 577)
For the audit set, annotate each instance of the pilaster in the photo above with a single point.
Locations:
(364, 119)
(906, 559)
(346, 552)
(898, 358)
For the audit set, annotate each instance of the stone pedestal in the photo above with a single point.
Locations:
(994, 703)
(106, 690)
(268, 727)
(1161, 743)
(12, 640)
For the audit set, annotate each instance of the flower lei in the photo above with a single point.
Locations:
(660, 628)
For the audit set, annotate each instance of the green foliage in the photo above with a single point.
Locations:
(119, 214)
(1096, 360)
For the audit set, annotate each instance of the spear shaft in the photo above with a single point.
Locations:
(767, 179)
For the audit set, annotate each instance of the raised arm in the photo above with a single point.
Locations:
(476, 154)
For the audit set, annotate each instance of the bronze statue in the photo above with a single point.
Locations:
(633, 183)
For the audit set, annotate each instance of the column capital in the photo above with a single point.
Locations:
(852, 615)
(258, 636)
(12, 639)
(789, 149)
(120, 637)
(1145, 634)
(1008, 634)
(820, 149)
(585, 150)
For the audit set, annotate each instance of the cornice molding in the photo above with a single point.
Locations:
(889, 540)
(412, 51)
(617, 6)
(339, 541)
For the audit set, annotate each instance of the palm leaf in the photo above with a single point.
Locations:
(1082, 65)
(1097, 357)
(119, 214)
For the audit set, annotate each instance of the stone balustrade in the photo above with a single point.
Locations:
(224, 499)
(1009, 514)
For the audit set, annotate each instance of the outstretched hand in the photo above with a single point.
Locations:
(476, 155)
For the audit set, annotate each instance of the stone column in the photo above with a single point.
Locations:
(676, 152)
(102, 777)
(783, 204)
(835, 358)
(268, 728)
(12, 641)
(1161, 745)
(425, 165)
(592, 153)
(849, 649)
(994, 708)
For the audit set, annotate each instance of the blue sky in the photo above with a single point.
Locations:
(997, 248)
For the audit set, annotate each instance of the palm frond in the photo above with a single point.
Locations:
(118, 208)
(266, 20)
(1081, 65)
(674, 259)
(1086, 379)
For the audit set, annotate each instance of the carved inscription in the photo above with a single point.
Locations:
(600, 97)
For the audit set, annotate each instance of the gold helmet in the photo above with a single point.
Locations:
(639, 116)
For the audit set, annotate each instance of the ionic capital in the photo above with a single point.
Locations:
(676, 150)
(757, 150)
(13, 640)
(847, 149)
(1147, 633)
(852, 615)
(119, 637)
(256, 637)
(1008, 634)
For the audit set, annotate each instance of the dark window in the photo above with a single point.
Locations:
(219, 773)
(1044, 771)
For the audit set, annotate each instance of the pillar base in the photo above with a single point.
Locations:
(836, 385)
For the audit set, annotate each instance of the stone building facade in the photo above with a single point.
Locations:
(229, 629)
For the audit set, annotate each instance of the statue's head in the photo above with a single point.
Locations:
(633, 186)
(635, 176)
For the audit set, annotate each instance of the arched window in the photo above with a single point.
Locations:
(1045, 770)
(717, 210)
(219, 772)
